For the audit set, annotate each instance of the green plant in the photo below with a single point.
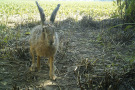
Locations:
(127, 7)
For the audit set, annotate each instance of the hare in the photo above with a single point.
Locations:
(44, 41)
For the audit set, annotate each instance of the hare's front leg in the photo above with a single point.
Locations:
(33, 66)
(51, 72)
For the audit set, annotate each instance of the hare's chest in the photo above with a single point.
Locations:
(45, 51)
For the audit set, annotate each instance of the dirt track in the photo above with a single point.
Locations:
(77, 45)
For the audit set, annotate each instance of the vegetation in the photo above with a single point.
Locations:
(17, 13)
(96, 50)
(94, 9)
(122, 33)
(127, 7)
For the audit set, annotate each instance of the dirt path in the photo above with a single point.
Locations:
(77, 45)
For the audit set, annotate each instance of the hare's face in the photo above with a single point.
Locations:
(47, 28)
(50, 34)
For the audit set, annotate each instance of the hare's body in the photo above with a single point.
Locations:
(40, 45)
(44, 41)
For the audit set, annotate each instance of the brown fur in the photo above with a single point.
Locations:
(44, 41)
(40, 44)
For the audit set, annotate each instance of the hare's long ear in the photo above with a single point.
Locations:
(54, 13)
(42, 15)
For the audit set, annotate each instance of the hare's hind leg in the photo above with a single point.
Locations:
(51, 72)
(33, 66)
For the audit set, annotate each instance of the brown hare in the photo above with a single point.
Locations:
(44, 41)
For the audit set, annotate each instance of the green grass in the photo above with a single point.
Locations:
(67, 9)
(15, 13)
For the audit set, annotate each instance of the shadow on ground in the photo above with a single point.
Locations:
(82, 62)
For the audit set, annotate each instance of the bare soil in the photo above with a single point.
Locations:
(80, 55)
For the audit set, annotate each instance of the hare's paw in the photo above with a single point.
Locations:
(33, 67)
(52, 77)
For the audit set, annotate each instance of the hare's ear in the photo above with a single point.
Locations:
(54, 13)
(42, 15)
